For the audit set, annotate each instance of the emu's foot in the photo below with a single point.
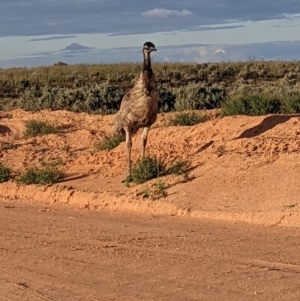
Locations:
(128, 179)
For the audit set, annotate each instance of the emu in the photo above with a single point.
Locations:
(138, 107)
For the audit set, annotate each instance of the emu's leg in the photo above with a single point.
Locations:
(144, 140)
(129, 145)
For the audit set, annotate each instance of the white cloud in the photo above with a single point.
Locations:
(291, 16)
(165, 13)
(200, 54)
(220, 51)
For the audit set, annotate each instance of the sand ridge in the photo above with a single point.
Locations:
(243, 168)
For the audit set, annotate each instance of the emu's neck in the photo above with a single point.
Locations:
(147, 61)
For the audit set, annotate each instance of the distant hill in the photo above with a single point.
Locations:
(77, 47)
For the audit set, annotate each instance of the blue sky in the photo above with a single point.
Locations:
(41, 32)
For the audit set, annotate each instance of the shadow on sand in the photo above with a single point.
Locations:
(73, 177)
(267, 124)
(4, 130)
(203, 147)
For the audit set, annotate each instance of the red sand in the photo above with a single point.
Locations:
(244, 168)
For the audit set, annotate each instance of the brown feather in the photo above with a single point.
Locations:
(139, 106)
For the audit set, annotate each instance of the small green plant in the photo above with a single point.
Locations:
(35, 128)
(110, 142)
(220, 150)
(7, 146)
(146, 193)
(156, 192)
(44, 175)
(4, 173)
(147, 168)
(161, 189)
(67, 148)
(187, 119)
(52, 164)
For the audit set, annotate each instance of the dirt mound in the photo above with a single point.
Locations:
(243, 168)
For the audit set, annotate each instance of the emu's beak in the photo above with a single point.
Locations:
(154, 49)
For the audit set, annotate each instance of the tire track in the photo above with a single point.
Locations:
(19, 290)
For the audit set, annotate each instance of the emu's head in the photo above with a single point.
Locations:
(149, 47)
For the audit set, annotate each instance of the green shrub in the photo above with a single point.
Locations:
(291, 103)
(196, 97)
(4, 173)
(104, 99)
(39, 98)
(186, 119)
(252, 104)
(99, 98)
(166, 101)
(35, 128)
(187, 98)
(44, 175)
(147, 168)
(110, 142)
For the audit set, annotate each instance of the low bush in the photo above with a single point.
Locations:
(35, 128)
(252, 104)
(109, 142)
(186, 119)
(5, 173)
(42, 176)
(149, 168)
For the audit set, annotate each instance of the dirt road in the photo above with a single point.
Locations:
(58, 253)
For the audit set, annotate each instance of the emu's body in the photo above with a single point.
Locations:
(139, 106)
